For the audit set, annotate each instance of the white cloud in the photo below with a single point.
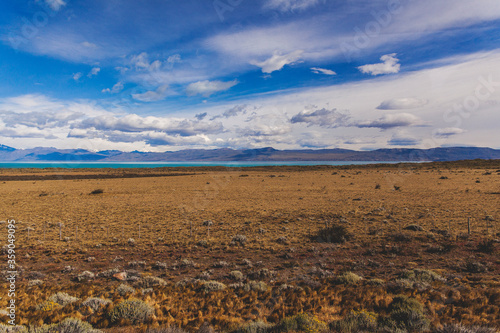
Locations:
(278, 61)
(135, 123)
(89, 45)
(402, 103)
(174, 58)
(116, 88)
(55, 4)
(390, 121)
(389, 65)
(448, 131)
(207, 88)
(77, 76)
(94, 71)
(322, 117)
(153, 96)
(232, 112)
(403, 139)
(318, 70)
(290, 5)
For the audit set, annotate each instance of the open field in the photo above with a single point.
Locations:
(406, 233)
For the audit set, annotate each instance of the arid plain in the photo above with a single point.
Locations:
(232, 245)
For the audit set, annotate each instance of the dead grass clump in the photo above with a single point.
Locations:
(168, 329)
(254, 327)
(134, 311)
(240, 239)
(256, 286)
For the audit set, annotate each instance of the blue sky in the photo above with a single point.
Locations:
(292, 74)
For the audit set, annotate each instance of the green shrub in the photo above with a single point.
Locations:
(348, 278)
(356, 321)
(301, 323)
(408, 314)
(133, 310)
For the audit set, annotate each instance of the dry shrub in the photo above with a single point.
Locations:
(134, 311)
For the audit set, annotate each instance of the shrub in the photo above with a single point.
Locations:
(133, 310)
(85, 276)
(13, 329)
(422, 275)
(95, 303)
(72, 325)
(348, 278)
(475, 267)
(124, 289)
(97, 191)
(241, 239)
(236, 275)
(210, 286)
(301, 323)
(254, 327)
(256, 285)
(462, 329)
(486, 246)
(62, 299)
(168, 329)
(407, 313)
(36, 282)
(334, 234)
(356, 321)
(151, 281)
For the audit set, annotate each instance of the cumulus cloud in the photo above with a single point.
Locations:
(136, 123)
(448, 131)
(207, 88)
(402, 103)
(322, 117)
(389, 65)
(55, 4)
(116, 88)
(278, 61)
(390, 121)
(290, 5)
(318, 70)
(232, 112)
(94, 71)
(152, 96)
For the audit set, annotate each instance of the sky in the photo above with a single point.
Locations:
(161, 75)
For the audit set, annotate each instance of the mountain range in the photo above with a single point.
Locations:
(9, 154)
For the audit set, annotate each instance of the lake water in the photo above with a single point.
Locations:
(82, 165)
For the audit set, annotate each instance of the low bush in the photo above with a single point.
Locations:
(133, 310)
(356, 321)
(302, 322)
(336, 233)
(62, 299)
(95, 303)
(124, 289)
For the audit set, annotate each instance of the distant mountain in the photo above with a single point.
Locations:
(239, 155)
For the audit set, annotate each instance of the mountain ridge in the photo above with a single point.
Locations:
(9, 154)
